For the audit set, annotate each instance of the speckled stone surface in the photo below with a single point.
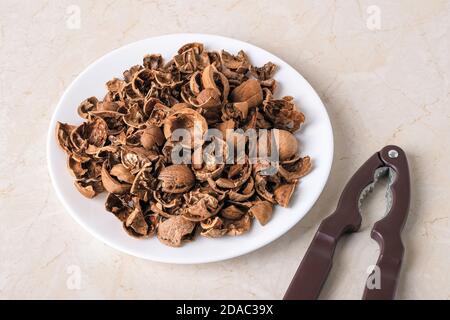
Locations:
(381, 67)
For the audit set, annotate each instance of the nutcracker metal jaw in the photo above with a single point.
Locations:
(317, 262)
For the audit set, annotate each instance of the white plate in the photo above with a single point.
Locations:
(316, 139)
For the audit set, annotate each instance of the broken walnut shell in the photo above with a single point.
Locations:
(152, 136)
(191, 121)
(122, 173)
(283, 194)
(207, 98)
(262, 211)
(176, 178)
(249, 91)
(232, 212)
(174, 230)
(89, 188)
(63, 133)
(136, 224)
(213, 79)
(112, 184)
(286, 142)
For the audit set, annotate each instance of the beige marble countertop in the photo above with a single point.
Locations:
(381, 67)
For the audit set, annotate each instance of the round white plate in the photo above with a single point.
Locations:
(316, 138)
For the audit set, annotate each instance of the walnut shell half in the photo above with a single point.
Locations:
(176, 178)
(249, 91)
(172, 231)
(191, 121)
(112, 184)
(262, 211)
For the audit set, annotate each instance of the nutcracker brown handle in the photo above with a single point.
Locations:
(316, 265)
(312, 273)
(387, 231)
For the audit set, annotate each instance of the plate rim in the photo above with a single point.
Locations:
(91, 230)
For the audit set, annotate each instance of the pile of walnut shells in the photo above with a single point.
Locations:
(124, 146)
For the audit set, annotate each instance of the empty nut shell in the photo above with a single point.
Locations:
(176, 178)
(152, 136)
(193, 124)
(249, 91)
(286, 142)
(262, 211)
